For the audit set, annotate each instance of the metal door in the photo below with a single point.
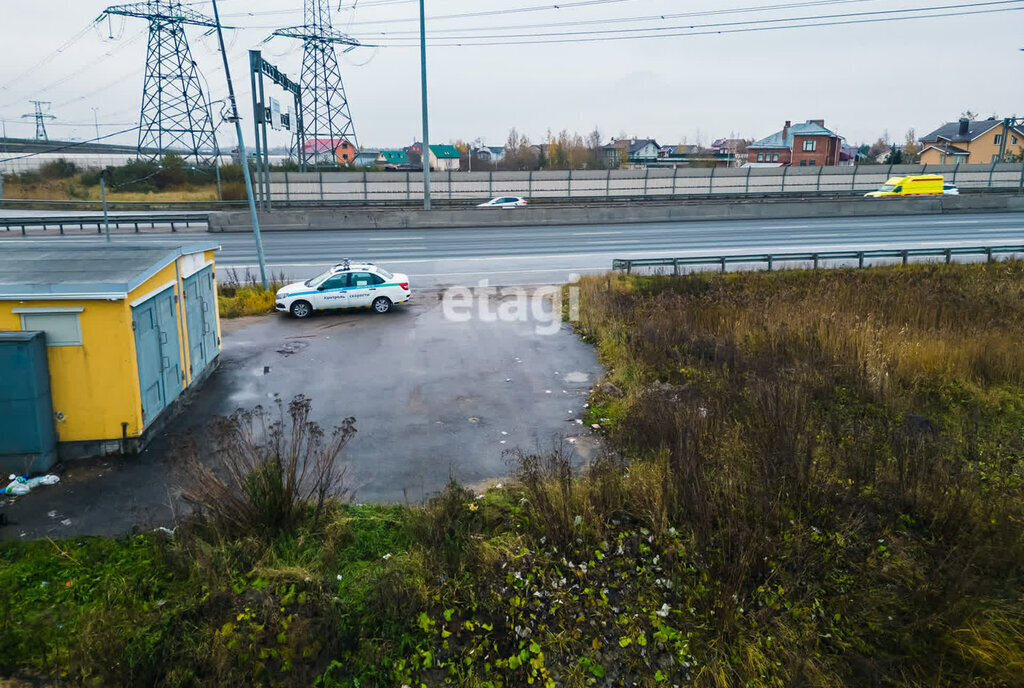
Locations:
(158, 352)
(28, 439)
(197, 355)
(208, 304)
(201, 319)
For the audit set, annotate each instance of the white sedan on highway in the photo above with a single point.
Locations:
(504, 202)
(346, 285)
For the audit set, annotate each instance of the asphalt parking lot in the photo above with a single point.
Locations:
(433, 397)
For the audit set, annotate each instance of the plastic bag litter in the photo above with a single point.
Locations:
(22, 485)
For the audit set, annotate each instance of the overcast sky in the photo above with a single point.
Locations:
(862, 79)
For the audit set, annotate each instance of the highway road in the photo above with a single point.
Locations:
(545, 255)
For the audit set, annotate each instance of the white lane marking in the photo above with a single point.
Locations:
(594, 233)
(785, 227)
(393, 250)
(395, 239)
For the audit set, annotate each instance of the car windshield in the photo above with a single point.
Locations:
(887, 187)
(316, 281)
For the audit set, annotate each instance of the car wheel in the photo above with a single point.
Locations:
(302, 309)
(382, 304)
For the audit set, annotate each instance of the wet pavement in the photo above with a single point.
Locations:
(433, 397)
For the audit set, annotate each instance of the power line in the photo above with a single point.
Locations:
(486, 13)
(625, 20)
(702, 29)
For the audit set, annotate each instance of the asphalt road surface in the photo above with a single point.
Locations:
(545, 255)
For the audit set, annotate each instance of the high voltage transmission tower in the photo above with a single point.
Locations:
(325, 112)
(175, 114)
(40, 117)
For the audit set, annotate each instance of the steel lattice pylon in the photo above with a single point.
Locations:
(325, 111)
(175, 114)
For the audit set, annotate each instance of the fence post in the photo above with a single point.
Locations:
(860, 259)
(817, 183)
(949, 256)
(815, 257)
(988, 254)
(647, 173)
(746, 186)
(769, 262)
(723, 263)
(853, 180)
(287, 189)
(956, 168)
(675, 267)
(675, 173)
(408, 186)
(990, 173)
(629, 267)
(321, 186)
(904, 254)
(711, 182)
(366, 188)
(529, 185)
(783, 189)
(568, 186)
(449, 183)
(490, 183)
(608, 184)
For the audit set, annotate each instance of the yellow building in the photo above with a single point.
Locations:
(971, 142)
(128, 328)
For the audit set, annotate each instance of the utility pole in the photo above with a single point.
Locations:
(96, 121)
(103, 199)
(426, 130)
(241, 152)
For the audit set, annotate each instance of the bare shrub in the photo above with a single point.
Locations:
(267, 468)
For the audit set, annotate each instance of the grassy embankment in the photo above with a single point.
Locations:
(822, 487)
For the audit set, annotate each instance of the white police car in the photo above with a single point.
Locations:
(346, 285)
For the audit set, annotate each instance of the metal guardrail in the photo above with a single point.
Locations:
(81, 221)
(770, 259)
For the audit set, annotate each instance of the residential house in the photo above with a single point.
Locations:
(366, 158)
(612, 154)
(807, 144)
(490, 153)
(444, 157)
(393, 158)
(971, 142)
(330, 151)
(848, 155)
(643, 151)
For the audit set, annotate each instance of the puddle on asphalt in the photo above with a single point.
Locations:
(576, 376)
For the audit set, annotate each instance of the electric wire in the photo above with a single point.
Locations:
(709, 28)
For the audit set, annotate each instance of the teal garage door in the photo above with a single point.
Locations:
(158, 350)
(201, 316)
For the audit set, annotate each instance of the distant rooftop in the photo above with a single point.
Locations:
(86, 270)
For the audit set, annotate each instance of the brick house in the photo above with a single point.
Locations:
(807, 144)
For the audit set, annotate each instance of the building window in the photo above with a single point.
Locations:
(760, 157)
(1013, 140)
(775, 157)
(999, 139)
(942, 159)
(810, 146)
(61, 325)
(811, 163)
(803, 163)
(995, 157)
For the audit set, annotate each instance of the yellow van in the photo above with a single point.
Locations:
(917, 185)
